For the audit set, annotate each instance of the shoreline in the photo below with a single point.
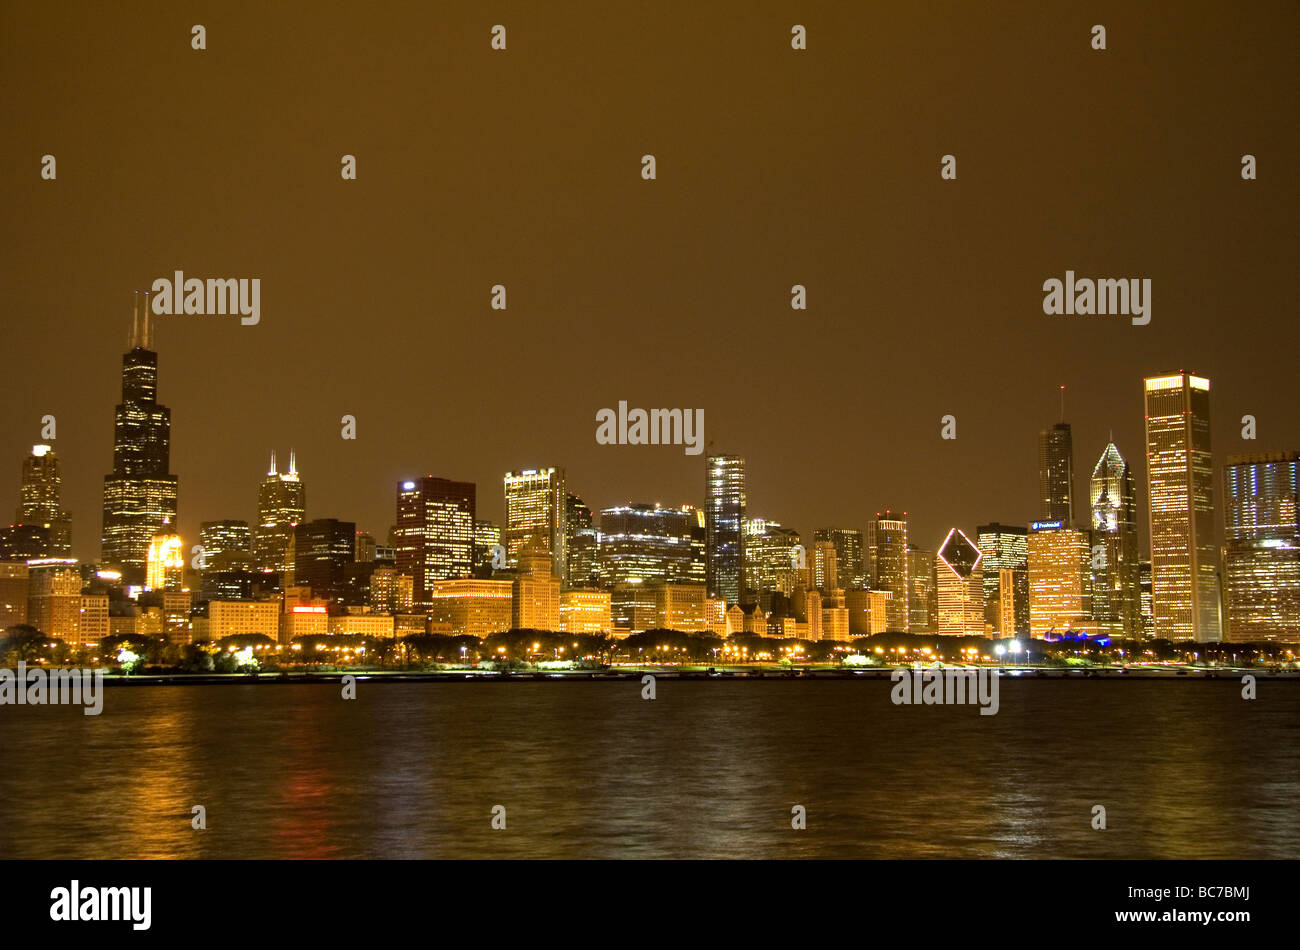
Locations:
(1219, 674)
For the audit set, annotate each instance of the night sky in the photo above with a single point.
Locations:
(522, 167)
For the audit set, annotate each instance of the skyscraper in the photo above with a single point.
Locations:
(922, 603)
(583, 544)
(1116, 591)
(724, 520)
(435, 532)
(887, 539)
(41, 500)
(165, 561)
(227, 545)
(869, 611)
(486, 538)
(54, 598)
(140, 494)
(1012, 602)
(959, 587)
(472, 606)
(823, 569)
(769, 561)
(323, 551)
(680, 606)
(585, 611)
(24, 542)
(536, 601)
(537, 506)
(848, 554)
(391, 592)
(1004, 549)
(1144, 581)
(1180, 499)
(15, 580)
(1059, 580)
(1261, 569)
(367, 548)
(1056, 474)
(641, 544)
(281, 504)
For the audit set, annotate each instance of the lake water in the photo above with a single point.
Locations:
(707, 769)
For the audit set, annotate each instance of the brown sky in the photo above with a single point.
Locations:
(775, 167)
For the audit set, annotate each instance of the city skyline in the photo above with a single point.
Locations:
(537, 505)
(1080, 567)
(676, 431)
(189, 521)
(376, 292)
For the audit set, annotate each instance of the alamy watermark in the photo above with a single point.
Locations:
(102, 903)
(209, 297)
(56, 687)
(651, 427)
(1085, 296)
(935, 687)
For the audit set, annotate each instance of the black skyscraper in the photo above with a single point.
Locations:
(324, 550)
(1056, 475)
(140, 494)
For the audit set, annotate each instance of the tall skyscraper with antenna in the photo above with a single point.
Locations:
(140, 493)
(281, 505)
(1056, 471)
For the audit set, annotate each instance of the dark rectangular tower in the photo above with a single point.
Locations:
(140, 493)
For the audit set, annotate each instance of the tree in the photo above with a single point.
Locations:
(24, 642)
(195, 659)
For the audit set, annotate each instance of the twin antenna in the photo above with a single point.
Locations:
(141, 324)
(293, 463)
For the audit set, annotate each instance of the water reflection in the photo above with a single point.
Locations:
(708, 769)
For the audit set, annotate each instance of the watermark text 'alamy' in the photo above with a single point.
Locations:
(209, 297)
